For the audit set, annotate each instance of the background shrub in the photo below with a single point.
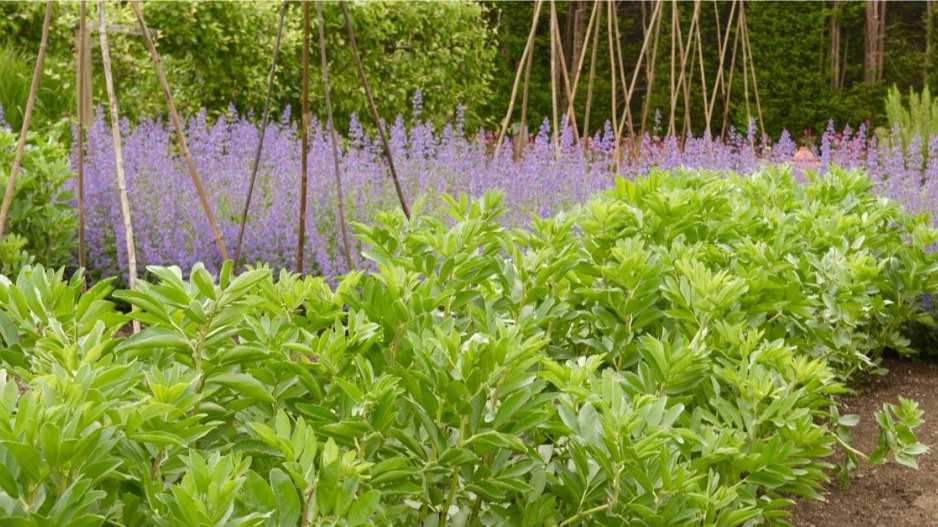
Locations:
(42, 225)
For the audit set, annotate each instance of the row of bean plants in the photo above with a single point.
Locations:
(669, 353)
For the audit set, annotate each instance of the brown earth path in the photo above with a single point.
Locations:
(890, 494)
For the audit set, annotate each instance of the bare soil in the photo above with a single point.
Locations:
(887, 494)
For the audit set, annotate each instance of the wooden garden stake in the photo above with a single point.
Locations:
(686, 52)
(304, 138)
(626, 119)
(571, 92)
(752, 68)
(703, 77)
(582, 59)
(688, 80)
(523, 142)
(716, 12)
(260, 141)
(27, 115)
(627, 114)
(655, 19)
(372, 107)
(650, 73)
(528, 49)
(675, 21)
(592, 77)
(553, 78)
(719, 85)
(83, 75)
(615, 108)
(334, 138)
(177, 124)
(570, 114)
(118, 155)
(742, 36)
(729, 83)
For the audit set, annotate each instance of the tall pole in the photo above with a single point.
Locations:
(304, 135)
(334, 137)
(373, 108)
(655, 19)
(650, 72)
(260, 141)
(177, 124)
(118, 154)
(525, 56)
(553, 77)
(610, 12)
(592, 76)
(82, 74)
(718, 84)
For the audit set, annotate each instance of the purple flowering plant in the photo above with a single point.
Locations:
(171, 229)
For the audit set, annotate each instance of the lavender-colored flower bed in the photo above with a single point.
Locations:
(170, 227)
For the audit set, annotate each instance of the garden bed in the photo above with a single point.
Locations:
(884, 494)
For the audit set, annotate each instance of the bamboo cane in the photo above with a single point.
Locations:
(752, 69)
(718, 84)
(729, 83)
(592, 76)
(683, 53)
(582, 60)
(334, 138)
(118, 155)
(27, 115)
(673, 92)
(553, 78)
(638, 66)
(528, 50)
(571, 113)
(177, 124)
(703, 77)
(523, 142)
(615, 108)
(571, 97)
(304, 134)
(82, 73)
(716, 12)
(646, 106)
(260, 141)
(742, 35)
(688, 81)
(626, 95)
(372, 107)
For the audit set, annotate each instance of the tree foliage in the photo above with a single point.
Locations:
(218, 54)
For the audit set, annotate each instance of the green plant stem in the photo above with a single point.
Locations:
(583, 514)
(849, 448)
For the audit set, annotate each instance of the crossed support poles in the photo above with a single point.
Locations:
(84, 77)
(304, 132)
(685, 50)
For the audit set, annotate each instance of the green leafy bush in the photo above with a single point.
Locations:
(667, 355)
(217, 56)
(55, 99)
(41, 227)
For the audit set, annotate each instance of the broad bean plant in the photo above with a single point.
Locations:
(670, 353)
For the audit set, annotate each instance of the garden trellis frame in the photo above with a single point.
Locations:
(684, 47)
(680, 53)
(83, 81)
(83, 62)
(305, 119)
